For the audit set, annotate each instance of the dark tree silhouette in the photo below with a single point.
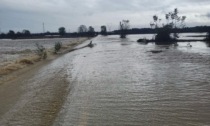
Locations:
(19, 34)
(11, 34)
(82, 29)
(124, 27)
(62, 31)
(26, 32)
(3, 35)
(207, 39)
(47, 33)
(91, 31)
(173, 22)
(208, 36)
(103, 30)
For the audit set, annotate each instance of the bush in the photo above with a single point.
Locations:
(41, 51)
(26, 61)
(57, 46)
(173, 22)
(163, 36)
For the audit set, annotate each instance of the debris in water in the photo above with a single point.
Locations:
(156, 51)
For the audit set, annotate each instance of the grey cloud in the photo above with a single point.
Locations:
(204, 15)
(17, 14)
(208, 15)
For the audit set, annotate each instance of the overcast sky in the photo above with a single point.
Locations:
(30, 14)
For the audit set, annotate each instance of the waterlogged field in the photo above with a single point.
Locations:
(11, 50)
(121, 82)
(117, 82)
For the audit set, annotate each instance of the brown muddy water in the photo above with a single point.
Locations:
(118, 82)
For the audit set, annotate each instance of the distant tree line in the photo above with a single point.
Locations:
(83, 31)
(196, 29)
(11, 34)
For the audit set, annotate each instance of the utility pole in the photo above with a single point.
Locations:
(43, 28)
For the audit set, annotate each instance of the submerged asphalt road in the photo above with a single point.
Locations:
(118, 82)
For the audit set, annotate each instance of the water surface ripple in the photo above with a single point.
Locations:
(119, 82)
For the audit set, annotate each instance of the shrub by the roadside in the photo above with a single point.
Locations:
(57, 46)
(41, 51)
(26, 61)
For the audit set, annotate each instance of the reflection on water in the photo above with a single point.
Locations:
(121, 83)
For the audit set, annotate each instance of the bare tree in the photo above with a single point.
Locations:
(91, 31)
(82, 29)
(124, 26)
(172, 23)
(103, 30)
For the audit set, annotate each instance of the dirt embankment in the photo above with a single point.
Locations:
(24, 63)
(28, 98)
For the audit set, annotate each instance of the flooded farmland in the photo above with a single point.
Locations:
(11, 50)
(120, 82)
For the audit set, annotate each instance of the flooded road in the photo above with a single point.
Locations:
(118, 82)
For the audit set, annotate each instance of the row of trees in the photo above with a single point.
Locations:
(12, 34)
(90, 31)
(82, 31)
(166, 29)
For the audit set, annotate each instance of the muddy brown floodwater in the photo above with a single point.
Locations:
(118, 82)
